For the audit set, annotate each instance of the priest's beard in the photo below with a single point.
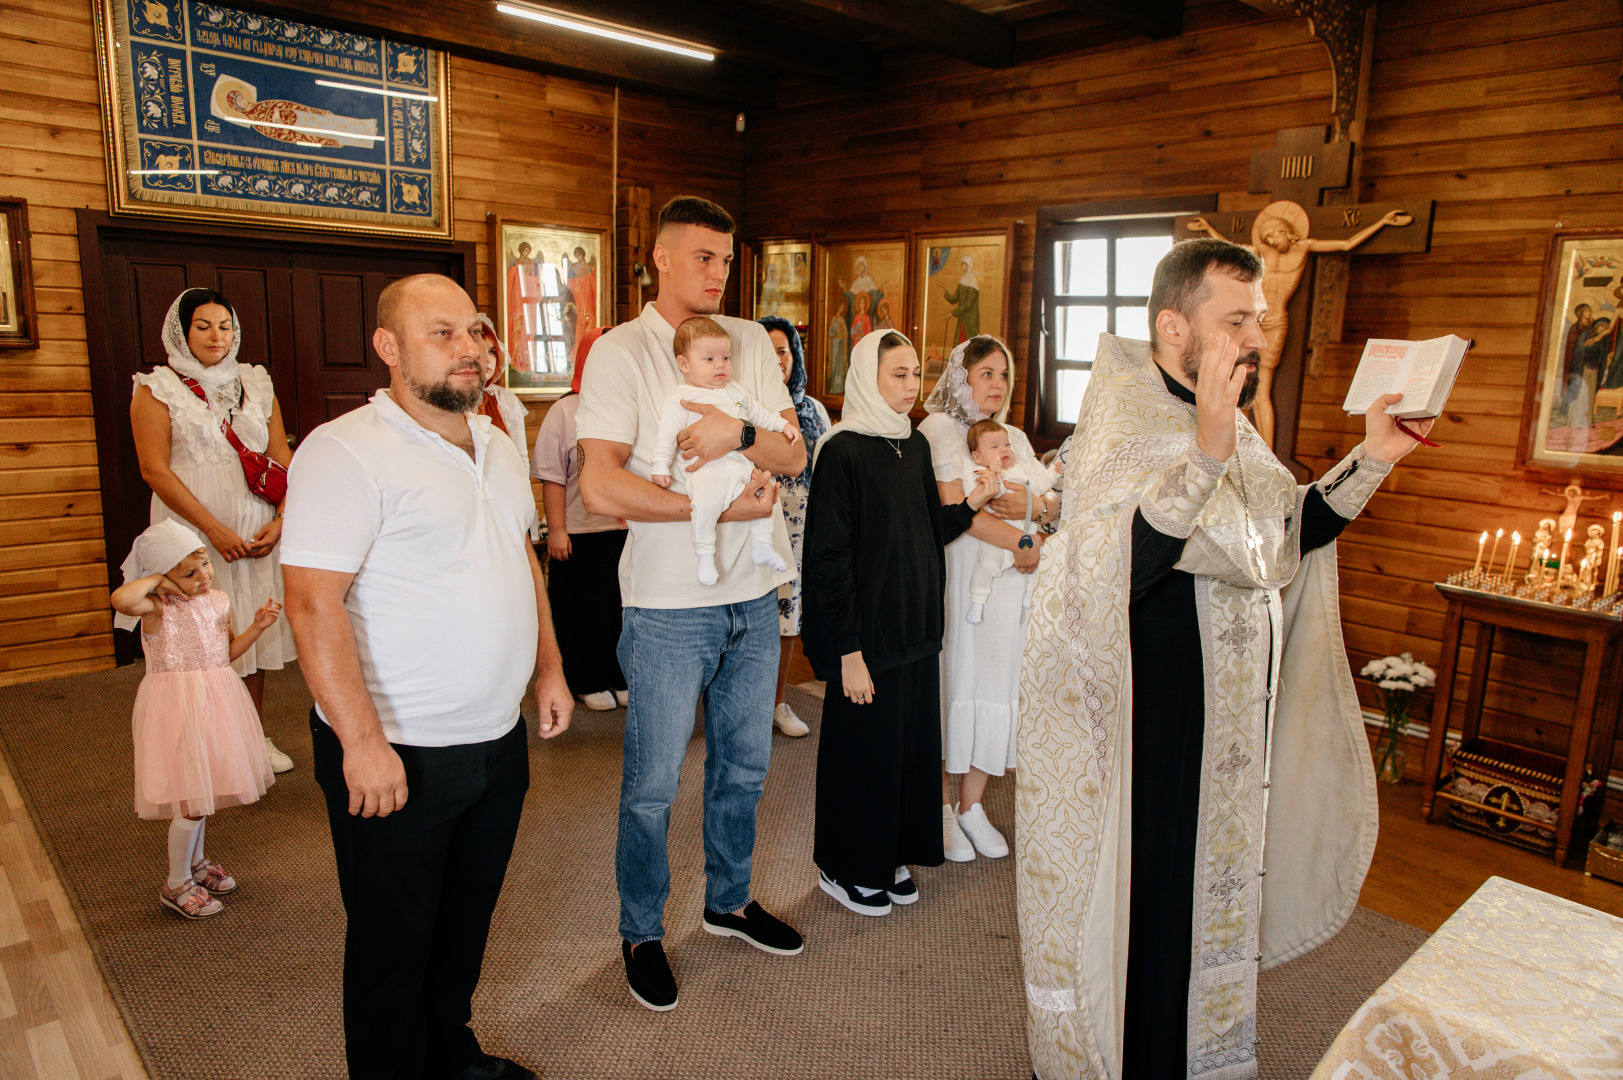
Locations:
(441, 395)
(1190, 359)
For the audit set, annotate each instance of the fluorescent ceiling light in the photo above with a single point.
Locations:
(303, 130)
(375, 90)
(613, 31)
(173, 172)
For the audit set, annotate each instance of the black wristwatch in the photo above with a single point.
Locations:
(747, 438)
(1025, 543)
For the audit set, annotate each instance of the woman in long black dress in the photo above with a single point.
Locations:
(873, 599)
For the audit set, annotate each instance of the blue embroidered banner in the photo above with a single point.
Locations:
(228, 114)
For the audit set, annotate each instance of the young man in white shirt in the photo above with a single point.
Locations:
(680, 638)
(414, 591)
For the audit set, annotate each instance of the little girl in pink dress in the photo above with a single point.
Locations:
(198, 743)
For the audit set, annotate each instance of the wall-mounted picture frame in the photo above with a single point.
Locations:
(19, 318)
(218, 114)
(1572, 419)
(549, 284)
(861, 286)
(777, 280)
(963, 285)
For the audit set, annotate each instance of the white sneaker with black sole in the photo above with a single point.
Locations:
(857, 899)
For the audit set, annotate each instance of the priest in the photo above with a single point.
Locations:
(1187, 703)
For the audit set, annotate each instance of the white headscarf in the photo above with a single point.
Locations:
(221, 382)
(866, 411)
(158, 550)
(952, 394)
(968, 278)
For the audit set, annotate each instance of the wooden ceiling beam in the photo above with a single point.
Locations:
(475, 28)
(937, 25)
(1154, 19)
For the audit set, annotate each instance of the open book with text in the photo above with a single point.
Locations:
(1422, 371)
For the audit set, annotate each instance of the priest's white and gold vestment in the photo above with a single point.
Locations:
(1283, 742)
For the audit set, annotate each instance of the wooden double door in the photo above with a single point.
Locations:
(306, 307)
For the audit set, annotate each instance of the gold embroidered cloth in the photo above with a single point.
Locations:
(1516, 985)
(1263, 610)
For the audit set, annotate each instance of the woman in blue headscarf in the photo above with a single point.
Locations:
(793, 489)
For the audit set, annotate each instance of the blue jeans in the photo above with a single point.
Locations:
(729, 653)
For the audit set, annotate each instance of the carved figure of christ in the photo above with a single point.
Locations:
(1279, 236)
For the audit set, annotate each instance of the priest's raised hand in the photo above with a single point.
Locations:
(1383, 439)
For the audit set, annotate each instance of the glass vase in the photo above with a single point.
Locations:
(1390, 769)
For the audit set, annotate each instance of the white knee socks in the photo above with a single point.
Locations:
(184, 837)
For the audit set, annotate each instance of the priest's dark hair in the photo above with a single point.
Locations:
(1180, 276)
(692, 210)
(192, 299)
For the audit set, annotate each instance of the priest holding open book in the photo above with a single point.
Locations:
(1187, 701)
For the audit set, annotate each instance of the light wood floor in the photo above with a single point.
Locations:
(57, 1021)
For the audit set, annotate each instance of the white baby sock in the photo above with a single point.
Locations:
(182, 838)
(975, 610)
(707, 570)
(197, 845)
(765, 554)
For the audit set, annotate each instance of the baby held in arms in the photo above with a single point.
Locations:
(703, 352)
(990, 449)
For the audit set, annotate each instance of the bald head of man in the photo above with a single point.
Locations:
(430, 336)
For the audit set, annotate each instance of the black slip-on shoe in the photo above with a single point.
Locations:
(766, 932)
(489, 1067)
(904, 891)
(649, 975)
(861, 901)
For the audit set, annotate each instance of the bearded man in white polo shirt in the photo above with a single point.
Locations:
(416, 597)
(680, 639)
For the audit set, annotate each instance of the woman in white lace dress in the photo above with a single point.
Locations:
(980, 663)
(196, 476)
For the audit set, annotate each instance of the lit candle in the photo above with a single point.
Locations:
(1494, 556)
(1510, 560)
(1611, 563)
(1481, 545)
(1561, 567)
(1617, 556)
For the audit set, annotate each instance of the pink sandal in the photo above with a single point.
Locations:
(190, 900)
(212, 876)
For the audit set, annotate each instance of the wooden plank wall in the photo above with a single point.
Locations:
(54, 618)
(1505, 111)
(524, 145)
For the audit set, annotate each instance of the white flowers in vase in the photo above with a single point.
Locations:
(1397, 680)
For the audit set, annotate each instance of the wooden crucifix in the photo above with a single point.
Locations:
(1286, 234)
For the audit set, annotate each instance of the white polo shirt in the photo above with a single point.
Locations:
(443, 603)
(633, 371)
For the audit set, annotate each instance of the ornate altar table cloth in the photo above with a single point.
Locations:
(1516, 985)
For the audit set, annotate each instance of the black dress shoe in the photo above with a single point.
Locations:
(766, 932)
(495, 1068)
(649, 975)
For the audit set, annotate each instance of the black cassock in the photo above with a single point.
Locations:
(1169, 721)
(874, 579)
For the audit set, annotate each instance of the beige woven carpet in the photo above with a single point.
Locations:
(931, 991)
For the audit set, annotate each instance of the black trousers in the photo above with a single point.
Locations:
(584, 591)
(879, 778)
(419, 888)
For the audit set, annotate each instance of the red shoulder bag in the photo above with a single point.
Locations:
(265, 477)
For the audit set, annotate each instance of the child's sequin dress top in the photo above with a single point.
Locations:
(198, 743)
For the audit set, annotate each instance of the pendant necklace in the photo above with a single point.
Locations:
(1253, 542)
(892, 445)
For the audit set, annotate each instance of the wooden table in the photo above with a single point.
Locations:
(1599, 689)
(1516, 985)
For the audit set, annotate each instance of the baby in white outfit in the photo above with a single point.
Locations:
(990, 449)
(703, 353)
